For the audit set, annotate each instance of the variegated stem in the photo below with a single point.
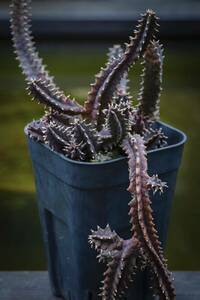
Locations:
(30, 62)
(149, 95)
(146, 29)
(142, 222)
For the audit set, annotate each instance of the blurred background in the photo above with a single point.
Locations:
(73, 37)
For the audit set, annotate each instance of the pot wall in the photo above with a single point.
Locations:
(75, 197)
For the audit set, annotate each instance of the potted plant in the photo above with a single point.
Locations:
(80, 156)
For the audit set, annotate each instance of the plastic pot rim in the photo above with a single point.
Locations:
(181, 142)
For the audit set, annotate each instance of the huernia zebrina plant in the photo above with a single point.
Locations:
(106, 126)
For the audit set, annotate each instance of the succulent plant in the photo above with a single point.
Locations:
(143, 250)
(107, 125)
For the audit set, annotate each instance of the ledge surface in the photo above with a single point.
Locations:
(35, 286)
(94, 19)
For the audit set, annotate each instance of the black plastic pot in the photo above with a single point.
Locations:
(74, 197)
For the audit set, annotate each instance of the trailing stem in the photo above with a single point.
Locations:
(126, 257)
(40, 83)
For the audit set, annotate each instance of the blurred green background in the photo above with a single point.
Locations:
(74, 66)
(93, 23)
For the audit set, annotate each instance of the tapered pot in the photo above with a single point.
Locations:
(74, 197)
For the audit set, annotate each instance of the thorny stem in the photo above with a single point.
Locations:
(143, 249)
(107, 122)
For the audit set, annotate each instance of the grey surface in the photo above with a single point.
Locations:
(112, 9)
(107, 19)
(35, 286)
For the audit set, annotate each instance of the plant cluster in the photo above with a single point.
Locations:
(105, 126)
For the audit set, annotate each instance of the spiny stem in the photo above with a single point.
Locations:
(41, 93)
(31, 63)
(149, 95)
(134, 50)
